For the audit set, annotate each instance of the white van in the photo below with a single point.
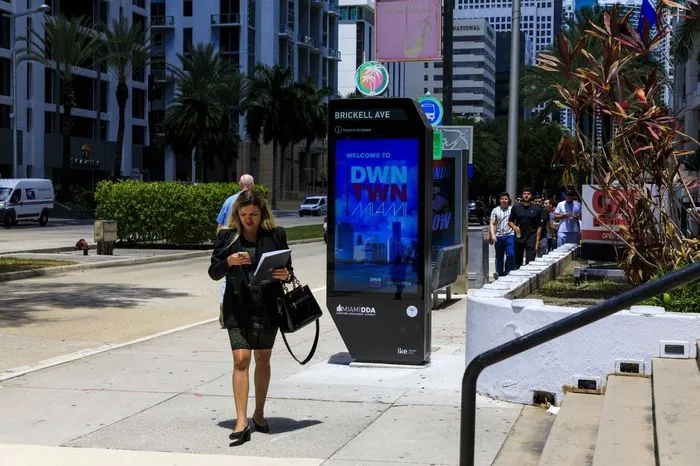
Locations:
(25, 199)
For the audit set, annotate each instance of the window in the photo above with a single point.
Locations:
(4, 116)
(138, 103)
(187, 8)
(104, 96)
(30, 120)
(187, 40)
(4, 32)
(50, 126)
(30, 79)
(5, 76)
(138, 134)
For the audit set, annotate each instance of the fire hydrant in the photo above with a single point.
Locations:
(82, 245)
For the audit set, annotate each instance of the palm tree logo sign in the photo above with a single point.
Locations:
(371, 78)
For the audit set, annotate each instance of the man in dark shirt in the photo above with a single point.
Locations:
(526, 220)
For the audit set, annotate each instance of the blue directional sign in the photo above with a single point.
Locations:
(432, 108)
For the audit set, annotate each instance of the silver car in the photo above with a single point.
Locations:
(314, 205)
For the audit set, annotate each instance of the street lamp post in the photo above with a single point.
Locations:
(13, 19)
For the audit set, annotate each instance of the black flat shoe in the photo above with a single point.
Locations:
(262, 429)
(240, 437)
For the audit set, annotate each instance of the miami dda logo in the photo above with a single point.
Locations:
(355, 311)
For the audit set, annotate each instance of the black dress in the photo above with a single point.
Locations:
(250, 313)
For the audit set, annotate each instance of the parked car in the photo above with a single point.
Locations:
(477, 211)
(314, 205)
(25, 199)
(325, 229)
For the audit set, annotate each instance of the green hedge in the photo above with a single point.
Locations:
(164, 212)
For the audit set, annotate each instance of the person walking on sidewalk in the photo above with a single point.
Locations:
(246, 183)
(502, 236)
(526, 220)
(549, 234)
(250, 312)
(568, 214)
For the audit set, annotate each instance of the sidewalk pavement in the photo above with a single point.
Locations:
(168, 400)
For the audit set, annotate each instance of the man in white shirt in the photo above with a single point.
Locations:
(568, 214)
(246, 183)
(502, 236)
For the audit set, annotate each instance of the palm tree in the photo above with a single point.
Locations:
(272, 111)
(66, 44)
(208, 100)
(126, 51)
(313, 118)
(683, 39)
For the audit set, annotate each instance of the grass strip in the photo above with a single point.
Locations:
(304, 232)
(15, 264)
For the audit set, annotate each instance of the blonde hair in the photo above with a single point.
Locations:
(248, 198)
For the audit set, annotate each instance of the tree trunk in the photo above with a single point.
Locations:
(274, 173)
(66, 129)
(122, 98)
(283, 165)
(283, 169)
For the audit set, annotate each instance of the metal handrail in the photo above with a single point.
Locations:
(550, 332)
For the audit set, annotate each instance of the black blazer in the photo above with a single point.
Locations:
(237, 297)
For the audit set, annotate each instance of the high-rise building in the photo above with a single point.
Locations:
(540, 19)
(298, 34)
(474, 71)
(356, 34)
(37, 113)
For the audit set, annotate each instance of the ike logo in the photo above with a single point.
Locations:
(402, 351)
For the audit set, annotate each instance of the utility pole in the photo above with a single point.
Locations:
(513, 103)
(447, 36)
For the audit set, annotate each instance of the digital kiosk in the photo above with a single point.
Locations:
(379, 228)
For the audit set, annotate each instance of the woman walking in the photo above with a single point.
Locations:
(250, 312)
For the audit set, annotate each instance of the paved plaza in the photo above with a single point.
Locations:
(99, 389)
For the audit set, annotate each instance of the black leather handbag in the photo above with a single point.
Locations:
(297, 309)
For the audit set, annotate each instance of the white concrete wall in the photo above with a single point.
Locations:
(590, 352)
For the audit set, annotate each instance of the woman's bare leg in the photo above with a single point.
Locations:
(262, 383)
(241, 384)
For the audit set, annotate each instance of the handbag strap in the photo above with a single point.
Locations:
(313, 347)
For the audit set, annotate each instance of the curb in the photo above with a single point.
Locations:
(9, 276)
(50, 271)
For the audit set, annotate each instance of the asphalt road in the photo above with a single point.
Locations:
(27, 236)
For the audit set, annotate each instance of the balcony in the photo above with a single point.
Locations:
(162, 22)
(160, 75)
(308, 41)
(286, 30)
(334, 54)
(226, 19)
(333, 8)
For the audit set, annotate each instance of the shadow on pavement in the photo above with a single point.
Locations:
(18, 299)
(278, 425)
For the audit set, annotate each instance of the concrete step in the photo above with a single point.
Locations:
(626, 433)
(573, 436)
(526, 438)
(676, 410)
